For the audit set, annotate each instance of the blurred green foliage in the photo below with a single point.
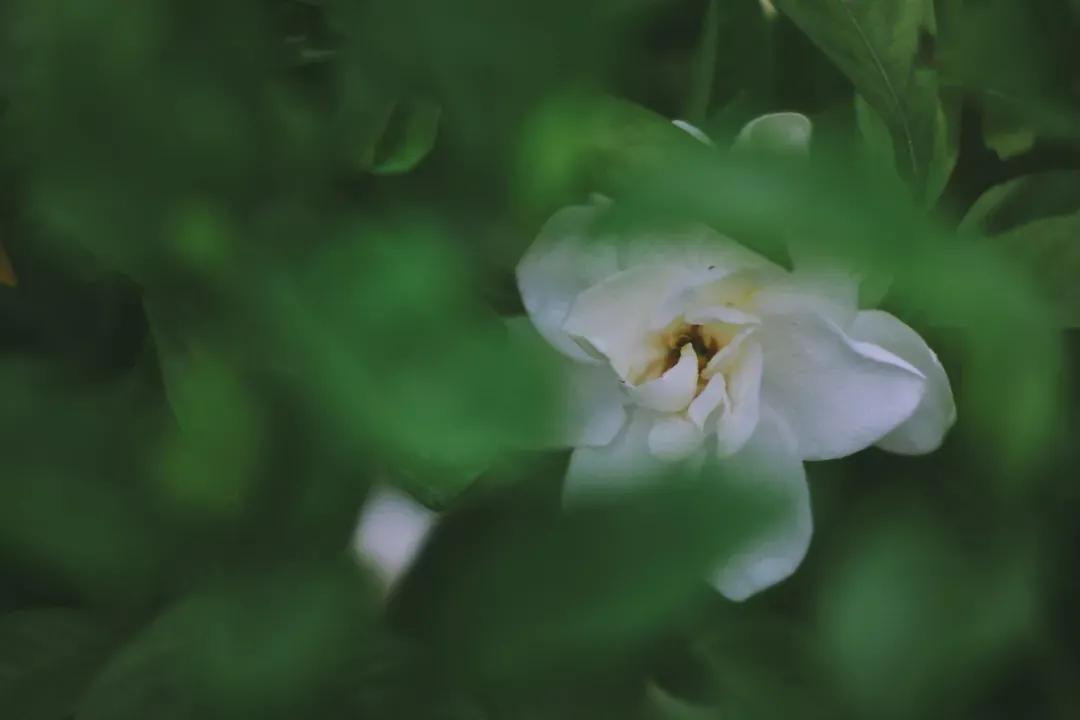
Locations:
(264, 251)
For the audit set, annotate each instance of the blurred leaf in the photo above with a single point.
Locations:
(47, 657)
(1006, 135)
(70, 504)
(267, 646)
(876, 142)
(1012, 58)
(385, 130)
(1024, 199)
(505, 592)
(1035, 220)
(703, 74)
(1049, 249)
(910, 603)
(405, 362)
(575, 146)
(762, 665)
(210, 462)
(661, 705)
(885, 47)
(409, 137)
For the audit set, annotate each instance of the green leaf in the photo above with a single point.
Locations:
(1035, 221)
(209, 464)
(271, 645)
(575, 591)
(885, 48)
(1024, 199)
(47, 657)
(385, 132)
(408, 137)
(1006, 134)
(575, 146)
(703, 75)
(1050, 249)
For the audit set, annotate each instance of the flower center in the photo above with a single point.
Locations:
(705, 345)
(706, 341)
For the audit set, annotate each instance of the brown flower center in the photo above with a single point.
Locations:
(706, 341)
(705, 346)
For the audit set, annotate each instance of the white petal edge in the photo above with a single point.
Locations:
(693, 131)
(769, 461)
(925, 430)
(735, 427)
(712, 397)
(836, 394)
(563, 261)
(783, 132)
(391, 532)
(827, 291)
(624, 466)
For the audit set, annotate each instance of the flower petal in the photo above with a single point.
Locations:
(783, 132)
(694, 131)
(830, 292)
(693, 247)
(837, 395)
(617, 468)
(625, 465)
(616, 316)
(563, 261)
(727, 354)
(390, 533)
(675, 438)
(735, 427)
(714, 395)
(672, 391)
(770, 461)
(924, 431)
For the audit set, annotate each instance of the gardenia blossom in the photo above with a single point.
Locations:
(686, 347)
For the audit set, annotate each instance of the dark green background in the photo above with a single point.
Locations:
(263, 248)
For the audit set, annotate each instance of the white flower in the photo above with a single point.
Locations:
(688, 347)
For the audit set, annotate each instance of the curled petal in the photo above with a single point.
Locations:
(727, 354)
(616, 316)
(712, 397)
(838, 395)
(770, 461)
(563, 261)
(672, 391)
(735, 426)
(924, 431)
